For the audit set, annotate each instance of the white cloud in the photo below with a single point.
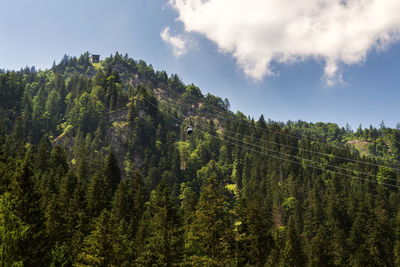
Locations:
(177, 42)
(258, 32)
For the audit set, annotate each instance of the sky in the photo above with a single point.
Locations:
(316, 60)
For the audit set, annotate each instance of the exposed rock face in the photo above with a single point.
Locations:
(118, 115)
(356, 142)
(118, 131)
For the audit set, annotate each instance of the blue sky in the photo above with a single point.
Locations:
(35, 33)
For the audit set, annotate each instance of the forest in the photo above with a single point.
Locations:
(97, 169)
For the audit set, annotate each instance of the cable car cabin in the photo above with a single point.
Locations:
(95, 58)
(189, 130)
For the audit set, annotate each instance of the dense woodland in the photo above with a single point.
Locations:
(97, 169)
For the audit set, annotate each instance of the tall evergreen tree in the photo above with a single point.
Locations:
(162, 246)
(112, 173)
(12, 232)
(210, 235)
(293, 254)
(102, 247)
(27, 208)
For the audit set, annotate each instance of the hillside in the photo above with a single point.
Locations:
(97, 169)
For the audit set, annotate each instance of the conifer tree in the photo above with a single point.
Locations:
(163, 244)
(128, 203)
(256, 224)
(293, 254)
(396, 248)
(102, 246)
(27, 208)
(112, 173)
(97, 195)
(12, 232)
(210, 234)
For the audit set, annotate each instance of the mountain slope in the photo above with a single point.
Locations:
(101, 154)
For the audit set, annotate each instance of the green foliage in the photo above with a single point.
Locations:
(161, 245)
(27, 208)
(12, 232)
(96, 171)
(102, 247)
(210, 234)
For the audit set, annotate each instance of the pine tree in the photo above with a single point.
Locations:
(128, 203)
(360, 256)
(162, 246)
(255, 226)
(98, 195)
(27, 208)
(210, 235)
(102, 247)
(43, 154)
(293, 254)
(112, 174)
(13, 231)
(396, 248)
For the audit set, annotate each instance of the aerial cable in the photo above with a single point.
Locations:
(297, 137)
(301, 158)
(223, 117)
(310, 166)
(315, 152)
(288, 160)
(307, 150)
(290, 155)
(268, 130)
